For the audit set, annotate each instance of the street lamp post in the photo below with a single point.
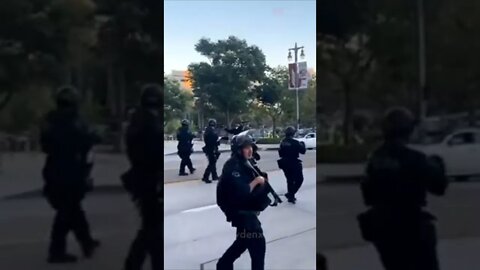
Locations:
(302, 55)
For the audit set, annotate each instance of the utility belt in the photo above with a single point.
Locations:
(247, 220)
(285, 162)
(379, 222)
(211, 151)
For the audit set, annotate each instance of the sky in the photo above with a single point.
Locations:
(274, 26)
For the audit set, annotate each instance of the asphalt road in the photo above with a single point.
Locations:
(339, 239)
(268, 162)
(196, 232)
(25, 226)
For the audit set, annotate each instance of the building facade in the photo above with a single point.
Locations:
(183, 78)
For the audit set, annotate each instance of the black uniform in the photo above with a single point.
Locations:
(211, 151)
(242, 209)
(67, 140)
(144, 182)
(290, 150)
(396, 187)
(185, 148)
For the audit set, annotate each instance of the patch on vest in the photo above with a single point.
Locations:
(235, 174)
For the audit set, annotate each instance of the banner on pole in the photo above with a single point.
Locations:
(298, 76)
(303, 76)
(292, 76)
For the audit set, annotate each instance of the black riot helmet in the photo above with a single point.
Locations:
(398, 123)
(212, 122)
(290, 132)
(152, 96)
(185, 122)
(241, 141)
(67, 97)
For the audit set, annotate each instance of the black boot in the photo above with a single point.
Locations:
(192, 170)
(207, 181)
(290, 198)
(89, 249)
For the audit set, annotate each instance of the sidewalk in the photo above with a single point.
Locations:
(170, 147)
(24, 236)
(340, 173)
(22, 172)
(454, 254)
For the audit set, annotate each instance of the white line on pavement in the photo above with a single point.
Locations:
(200, 209)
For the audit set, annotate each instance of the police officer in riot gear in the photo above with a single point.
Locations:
(290, 150)
(395, 190)
(256, 155)
(210, 149)
(235, 131)
(185, 148)
(241, 195)
(144, 178)
(66, 139)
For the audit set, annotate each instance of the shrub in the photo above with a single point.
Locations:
(343, 154)
(269, 140)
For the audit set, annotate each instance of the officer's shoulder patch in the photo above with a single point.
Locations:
(235, 174)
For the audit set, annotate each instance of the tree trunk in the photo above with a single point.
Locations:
(111, 95)
(274, 124)
(83, 83)
(121, 115)
(347, 114)
(122, 92)
(8, 96)
(228, 117)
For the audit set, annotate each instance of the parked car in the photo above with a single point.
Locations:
(309, 140)
(252, 132)
(459, 152)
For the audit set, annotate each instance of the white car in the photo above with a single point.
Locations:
(310, 140)
(459, 152)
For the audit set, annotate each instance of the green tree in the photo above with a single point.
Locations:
(42, 44)
(309, 104)
(175, 101)
(453, 68)
(130, 45)
(342, 46)
(226, 82)
(271, 92)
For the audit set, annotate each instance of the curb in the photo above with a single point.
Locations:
(197, 152)
(344, 179)
(38, 193)
(98, 190)
(225, 151)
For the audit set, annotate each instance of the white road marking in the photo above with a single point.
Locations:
(200, 209)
